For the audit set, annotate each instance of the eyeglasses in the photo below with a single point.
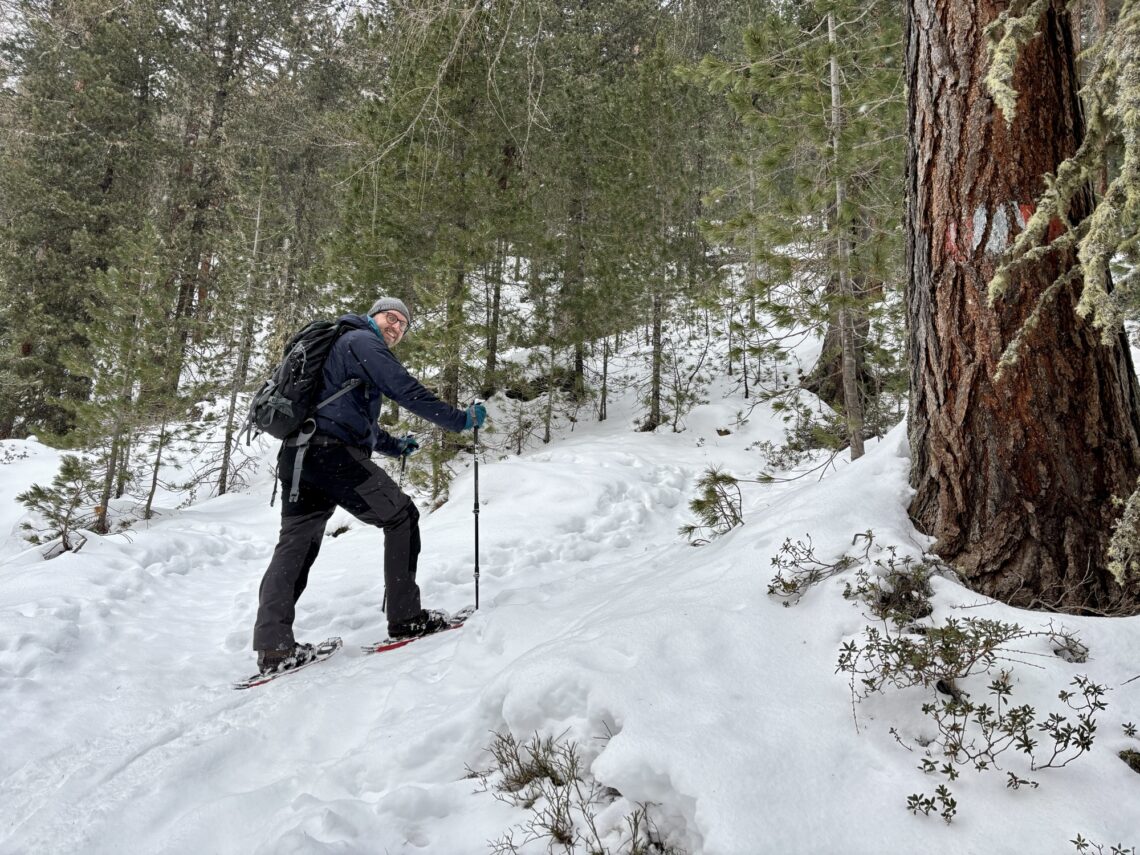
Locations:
(396, 320)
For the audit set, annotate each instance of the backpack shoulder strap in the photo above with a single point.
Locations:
(342, 327)
(348, 386)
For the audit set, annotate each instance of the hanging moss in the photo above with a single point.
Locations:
(1111, 233)
(1006, 34)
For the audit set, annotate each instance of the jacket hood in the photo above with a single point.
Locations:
(359, 322)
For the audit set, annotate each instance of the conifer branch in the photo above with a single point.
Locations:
(1111, 232)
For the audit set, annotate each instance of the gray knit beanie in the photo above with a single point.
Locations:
(390, 304)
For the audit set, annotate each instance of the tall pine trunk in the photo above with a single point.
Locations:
(160, 443)
(203, 172)
(1014, 476)
(852, 398)
(245, 349)
(551, 383)
(657, 360)
(603, 395)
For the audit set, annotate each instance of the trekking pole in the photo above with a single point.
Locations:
(476, 518)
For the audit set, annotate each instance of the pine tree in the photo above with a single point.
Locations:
(817, 194)
(283, 205)
(73, 180)
(64, 507)
(608, 209)
(128, 337)
(429, 204)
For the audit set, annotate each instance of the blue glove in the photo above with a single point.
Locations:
(407, 445)
(476, 415)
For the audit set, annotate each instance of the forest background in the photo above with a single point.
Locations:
(184, 184)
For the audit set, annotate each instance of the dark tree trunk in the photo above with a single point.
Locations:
(1014, 477)
(102, 523)
(657, 359)
(604, 394)
(826, 377)
(579, 388)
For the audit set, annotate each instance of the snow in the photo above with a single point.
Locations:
(683, 683)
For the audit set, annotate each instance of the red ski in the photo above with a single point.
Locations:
(453, 622)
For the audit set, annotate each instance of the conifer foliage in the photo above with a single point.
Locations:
(814, 198)
(185, 183)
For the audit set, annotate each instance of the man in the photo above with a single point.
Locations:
(337, 470)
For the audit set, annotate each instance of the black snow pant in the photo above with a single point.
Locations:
(335, 475)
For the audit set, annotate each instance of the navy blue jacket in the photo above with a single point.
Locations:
(363, 354)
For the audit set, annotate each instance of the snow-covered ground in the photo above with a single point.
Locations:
(682, 682)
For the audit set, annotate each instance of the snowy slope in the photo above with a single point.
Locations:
(684, 683)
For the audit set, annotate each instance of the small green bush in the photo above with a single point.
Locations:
(546, 777)
(67, 505)
(1132, 758)
(1088, 846)
(798, 569)
(898, 590)
(718, 506)
(971, 734)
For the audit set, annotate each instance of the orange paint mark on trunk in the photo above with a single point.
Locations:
(1056, 227)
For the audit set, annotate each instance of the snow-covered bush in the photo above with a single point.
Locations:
(547, 777)
(973, 734)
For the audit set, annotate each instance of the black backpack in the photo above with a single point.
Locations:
(286, 400)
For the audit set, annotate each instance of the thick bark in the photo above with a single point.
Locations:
(1100, 28)
(1014, 477)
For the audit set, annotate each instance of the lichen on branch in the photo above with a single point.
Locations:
(1107, 241)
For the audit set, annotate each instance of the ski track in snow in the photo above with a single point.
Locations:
(681, 682)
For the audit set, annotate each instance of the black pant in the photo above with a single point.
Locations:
(335, 475)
